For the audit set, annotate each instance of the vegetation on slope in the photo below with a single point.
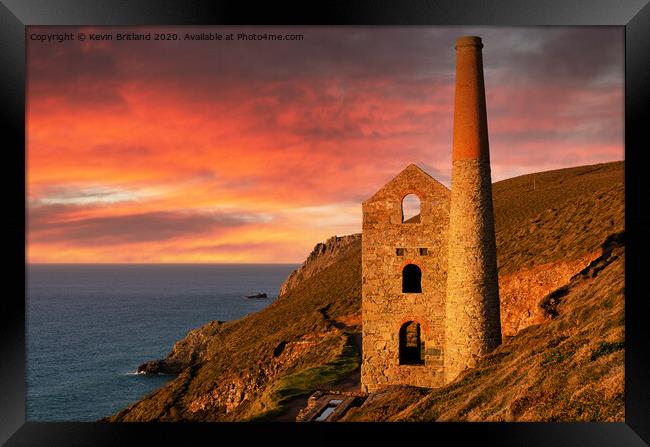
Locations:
(557, 215)
(250, 368)
(304, 382)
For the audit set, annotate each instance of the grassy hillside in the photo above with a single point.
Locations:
(549, 226)
(565, 355)
(569, 213)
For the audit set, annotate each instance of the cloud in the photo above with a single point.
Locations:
(399, 56)
(88, 195)
(283, 139)
(55, 223)
(576, 55)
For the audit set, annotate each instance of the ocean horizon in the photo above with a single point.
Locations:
(89, 326)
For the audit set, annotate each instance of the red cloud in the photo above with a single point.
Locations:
(267, 129)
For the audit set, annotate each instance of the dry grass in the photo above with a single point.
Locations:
(568, 369)
(570, 213)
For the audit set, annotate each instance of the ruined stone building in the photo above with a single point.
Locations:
(430, 297)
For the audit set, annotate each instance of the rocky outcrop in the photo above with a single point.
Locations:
(521, 292)
(322, 256)
(248, 384)
(186, 352)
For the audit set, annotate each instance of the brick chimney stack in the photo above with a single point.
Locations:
(472, 322)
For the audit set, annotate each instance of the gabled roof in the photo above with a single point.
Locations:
(411, 170)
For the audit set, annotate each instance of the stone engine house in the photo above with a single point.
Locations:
(430, 297)
(404, 284)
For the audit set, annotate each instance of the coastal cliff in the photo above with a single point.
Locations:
(194, 348)
(560, 249)
(323, 255)
(251, 368)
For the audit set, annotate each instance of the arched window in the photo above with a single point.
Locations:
(411, 279)
(411, 209)
(411, 346)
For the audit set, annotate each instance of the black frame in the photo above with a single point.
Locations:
(634, 15)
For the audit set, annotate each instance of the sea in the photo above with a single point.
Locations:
(90, 326)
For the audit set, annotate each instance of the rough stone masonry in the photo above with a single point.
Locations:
(427, 337)
(473, 323)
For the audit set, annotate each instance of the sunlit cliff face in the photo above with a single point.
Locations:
(253, 151)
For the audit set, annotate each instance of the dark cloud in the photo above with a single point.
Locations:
(56, 223)
(39, 217)
(219, 68)
(86, 75)
(73, 62)
(576, 55)
(403, 58)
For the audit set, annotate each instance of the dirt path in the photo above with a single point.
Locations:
(349, 382)
(293, 408)
(352, 381)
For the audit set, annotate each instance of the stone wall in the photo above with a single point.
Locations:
(473, 316)
(384, 307)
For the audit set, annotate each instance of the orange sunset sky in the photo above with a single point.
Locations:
(254, 151)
